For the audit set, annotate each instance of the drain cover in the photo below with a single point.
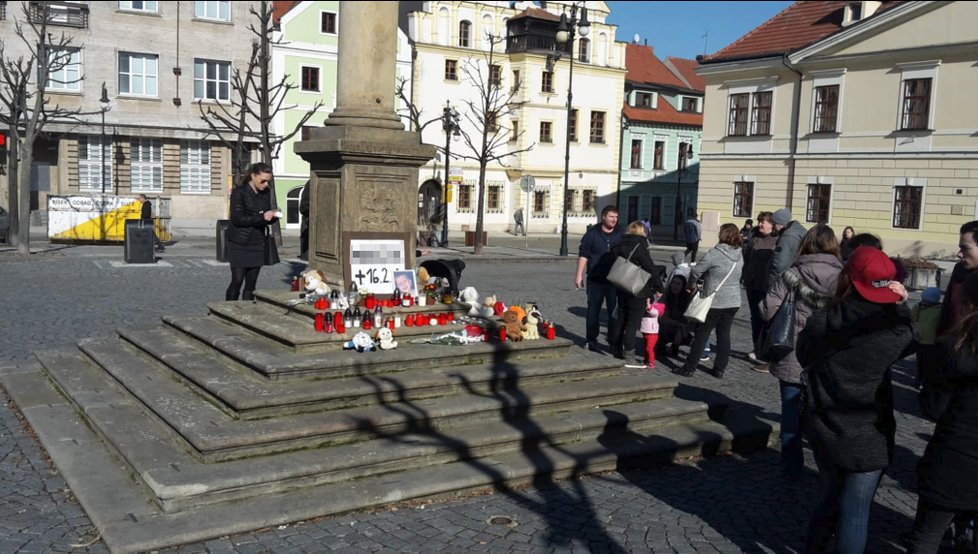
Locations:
(501, 520)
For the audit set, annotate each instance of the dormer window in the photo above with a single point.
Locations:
(857, 11)
(644, 100)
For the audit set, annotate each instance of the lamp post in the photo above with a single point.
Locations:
(449, 123)
(565, 35)
(106, 106)
(685, 152)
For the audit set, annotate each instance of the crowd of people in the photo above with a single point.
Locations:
(830, 317)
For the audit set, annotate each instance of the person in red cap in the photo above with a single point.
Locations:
(848, 351)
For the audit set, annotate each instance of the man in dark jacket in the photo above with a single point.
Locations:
(967, 263)
(595, 257)
(790, 233)
(146, 214)
(692, 233)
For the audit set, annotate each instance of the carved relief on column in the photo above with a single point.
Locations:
(382, 201)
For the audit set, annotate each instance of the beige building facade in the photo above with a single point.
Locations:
(157, 60)
(873, 127)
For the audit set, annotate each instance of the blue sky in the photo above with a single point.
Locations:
(677, 28)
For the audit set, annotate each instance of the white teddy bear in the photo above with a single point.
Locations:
(386, 339)
(316, 283)
(470, 297)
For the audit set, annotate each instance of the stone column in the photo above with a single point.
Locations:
(364, 166)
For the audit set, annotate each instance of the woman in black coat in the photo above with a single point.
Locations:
(946, 482)
(249, 244)
(848, 351)
(635, 247)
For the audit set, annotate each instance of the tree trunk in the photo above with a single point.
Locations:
(480, 202)
(264, 65)
(24, 199)
(13, 188)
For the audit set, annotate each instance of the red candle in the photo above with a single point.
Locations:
(451, 316)
(502, 334)
(442, 319)
(390, 324)
(341, 328)
(407, 301)
(368, 324)
(409, 320)
(319, 323)
(551, 332)
(320, 303)
(370, 302)
(327, 325)
(337, 320)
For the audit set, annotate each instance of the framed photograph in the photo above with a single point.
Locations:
(405, 281)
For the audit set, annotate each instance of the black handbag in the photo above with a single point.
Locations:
(271, 251)
(778, 335)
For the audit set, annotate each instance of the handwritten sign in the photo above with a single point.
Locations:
(373, 263)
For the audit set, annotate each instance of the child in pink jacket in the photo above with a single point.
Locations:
(650, 329)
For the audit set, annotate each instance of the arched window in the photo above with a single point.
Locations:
(584, 50)
(465, 33)
(292, 216)
(443, 27)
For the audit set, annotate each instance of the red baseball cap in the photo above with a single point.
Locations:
(871, 272)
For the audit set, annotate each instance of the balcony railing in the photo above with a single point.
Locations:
(65, 14)
(533, 42)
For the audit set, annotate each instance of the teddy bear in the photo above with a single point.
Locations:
(315, 281)
(361, 342)
(532, 322)
(514, 327)
(470, 297)
(386, 339)
(487, 309)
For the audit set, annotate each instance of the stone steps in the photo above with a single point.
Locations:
(245, 394)
(272, 361)
(130, 523)
(215, 435)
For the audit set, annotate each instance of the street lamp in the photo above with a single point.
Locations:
(565, 35)
(106, 106)
(449, 123)
(685, 152)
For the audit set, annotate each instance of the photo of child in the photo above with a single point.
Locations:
(404, 281)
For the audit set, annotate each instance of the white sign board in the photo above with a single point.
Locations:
(373, 263)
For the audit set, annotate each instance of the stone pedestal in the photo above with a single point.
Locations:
(363, 180)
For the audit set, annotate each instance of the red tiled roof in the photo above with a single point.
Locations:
(665, 113)
(644, 67)
(537, 13)
(280, 8)
(797, 26)
(687, 70)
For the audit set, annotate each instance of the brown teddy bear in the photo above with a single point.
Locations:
(514, 325)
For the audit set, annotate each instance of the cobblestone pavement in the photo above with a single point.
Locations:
(725, 504)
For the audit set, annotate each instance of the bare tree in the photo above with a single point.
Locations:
(254, 104)
(25, 109)
(493, 104)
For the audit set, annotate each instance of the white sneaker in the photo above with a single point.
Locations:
(751, 356)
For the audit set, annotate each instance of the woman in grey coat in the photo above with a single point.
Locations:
(813, 278)
(725, 261)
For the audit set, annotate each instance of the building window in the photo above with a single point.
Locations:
(906, 207)
(761, 113)
(90, 158)
(546, 131)
(147, 165)
(464, 197)
(570, 201)
(464, 33)
(588, 198)
(645, 99)
(195, 167)
(541, 203)
(451, 70)
(690, 104)
(220, 11)
(743, 202)
(916, 104)
(138, 74)
(516, 80)
(659, 160)
(737, 124)
(138, 6)
(492, 122)
(514, 132)
(310, 79)
(547, 82)
(826, 108)
(212, 80)
(572, 131)
(327, 23)
(292, 199)
(818, 203)
(685, 151)
(493, 198)
(584, 50)
(636, 162)
(597, 127)
(496, 75)
(66, 71)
